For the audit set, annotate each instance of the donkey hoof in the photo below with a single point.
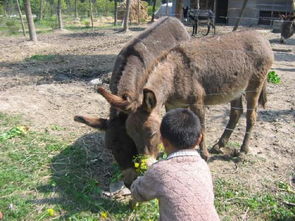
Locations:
(239, 154)
(216, 149)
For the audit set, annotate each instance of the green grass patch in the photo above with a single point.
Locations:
(235, 199)
(41, 57)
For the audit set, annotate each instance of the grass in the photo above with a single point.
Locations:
(44, 177)
(233, 198)
(40, 57)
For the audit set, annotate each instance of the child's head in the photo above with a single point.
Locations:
(181, 128)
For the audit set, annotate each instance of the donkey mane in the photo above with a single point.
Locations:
(138, 55)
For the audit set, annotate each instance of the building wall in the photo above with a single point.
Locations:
(253, 8)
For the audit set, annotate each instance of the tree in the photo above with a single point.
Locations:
(31, 25)
(154, 8)
(91, 14)
(76, 9)
(126, 18)
(59, 15)
(178, 9)
(115, 12)
(240, 16)
(21, 17)
(41, 10)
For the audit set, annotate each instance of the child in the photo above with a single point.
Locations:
(182, 183)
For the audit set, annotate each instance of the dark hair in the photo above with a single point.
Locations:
(181, 127)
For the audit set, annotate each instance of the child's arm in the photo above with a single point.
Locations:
(144, 188)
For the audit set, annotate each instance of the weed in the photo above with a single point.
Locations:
(41, 57)
(14, 132)
(272, 77)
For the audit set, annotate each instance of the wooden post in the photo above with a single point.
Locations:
(21, 17)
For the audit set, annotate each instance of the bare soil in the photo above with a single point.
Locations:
(50, 92)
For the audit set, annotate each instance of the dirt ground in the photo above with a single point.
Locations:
(50, 92)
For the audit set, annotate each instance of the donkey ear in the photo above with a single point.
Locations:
(149, 100)
(98, 123)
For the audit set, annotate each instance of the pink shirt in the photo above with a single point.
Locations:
(183, 186)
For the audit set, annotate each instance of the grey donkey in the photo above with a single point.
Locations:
(197, 73)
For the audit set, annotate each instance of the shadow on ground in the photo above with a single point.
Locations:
(55, 68)
(273, 115)
(79, 173)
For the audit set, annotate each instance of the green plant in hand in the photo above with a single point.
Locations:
(140, 164)
(272, 77)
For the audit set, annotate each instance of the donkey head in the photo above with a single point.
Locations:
(117, 140)
(142, 123)
(287, 28)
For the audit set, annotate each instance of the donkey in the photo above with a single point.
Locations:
(198, 73)
(287, 28)
(195, 16)
(128, 78)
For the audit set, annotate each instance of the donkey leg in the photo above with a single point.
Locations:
(199, 110)
(235, 113)
(252, 102)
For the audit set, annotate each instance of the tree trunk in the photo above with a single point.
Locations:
(178, 9)
(198, 4)
(31, 25)
(21, 17)
(59, 16)
(76, 9)
(167, 7)
(138, 11)
(240, 16)
(41, 10)
(91, 14)
(115, 13)
(5, 7)
(126, 19)
(154, 8)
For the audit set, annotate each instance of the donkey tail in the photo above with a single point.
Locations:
(262, 98)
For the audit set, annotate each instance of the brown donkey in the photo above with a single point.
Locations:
(198, 73)
(128, 79)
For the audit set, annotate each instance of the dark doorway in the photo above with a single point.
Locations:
(221, 11)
